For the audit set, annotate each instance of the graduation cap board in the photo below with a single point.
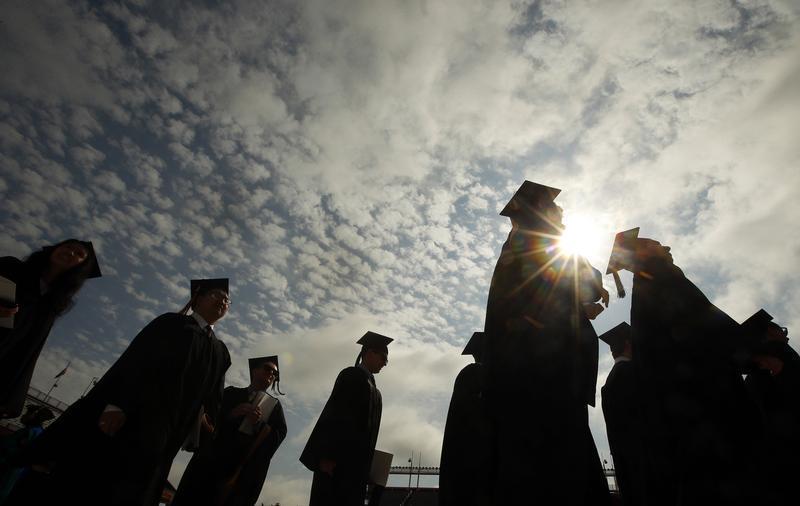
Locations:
(201, 286)
(257, 362)
(621, 255)
(529, 195)
(616, 337)
(475, 345)
(375, 341)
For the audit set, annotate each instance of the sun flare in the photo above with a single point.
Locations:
(581, 237)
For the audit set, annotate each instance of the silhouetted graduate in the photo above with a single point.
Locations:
(541, 359)
(115, 446)
(231, 470)
(775, 386)
(465, 468)
(623, 415)
(688, 356)
(340, 448)
(46, 283)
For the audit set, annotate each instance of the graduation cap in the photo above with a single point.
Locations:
(621, 255)
(616, 337)
(528, 196)
(201, 286)
(257, 362)
(375, 341)
(475, 345)
(94, 267)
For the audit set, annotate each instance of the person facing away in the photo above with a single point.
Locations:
(541, 360)
(774, 384)
(46, 283)
(340, 448)
(689, 357)
(466, 448)
(622, 412)
(231, 470)
(163, 392)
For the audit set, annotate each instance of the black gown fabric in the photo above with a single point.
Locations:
(345, 433)
(213, 465)
(466, 449)
(689, 356)
(541, 360)
(171, 371)
(622, 411)
(20, 347)
(778, 400)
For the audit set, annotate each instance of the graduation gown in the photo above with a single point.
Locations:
(20, 347)
(625, 428)
(466, 449)
(170, 372)
(541, 359)
(688, 356)
(778, 400)
(345, 433)
(213, 465)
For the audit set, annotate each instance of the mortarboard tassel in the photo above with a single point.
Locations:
(618, 282)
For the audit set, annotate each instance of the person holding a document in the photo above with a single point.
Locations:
(341, 446)
(120, 439)
(232, 470)
(33, 294)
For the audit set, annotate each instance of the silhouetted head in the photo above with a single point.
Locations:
(64, 267)
(532, 207)
(264, 373)
(374, 351)
(618, 340)
(632, 253)
(210, 299)
(36, 416)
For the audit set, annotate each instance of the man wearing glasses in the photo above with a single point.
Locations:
(163, 392)
(232, 470)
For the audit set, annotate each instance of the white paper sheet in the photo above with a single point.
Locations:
(267, 403)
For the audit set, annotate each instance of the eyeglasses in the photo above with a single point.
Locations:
(270, 370)
(221, 297)
(785, 331)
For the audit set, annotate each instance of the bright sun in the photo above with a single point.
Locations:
(581, 237)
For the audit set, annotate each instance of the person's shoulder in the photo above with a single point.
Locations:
(352, 371)
(11, 266)
(173, 317)
(352, 374)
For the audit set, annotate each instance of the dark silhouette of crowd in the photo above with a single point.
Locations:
(699, 409)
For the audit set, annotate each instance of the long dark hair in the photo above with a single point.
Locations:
(63, 289)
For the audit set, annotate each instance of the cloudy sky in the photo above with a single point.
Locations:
(344, 163)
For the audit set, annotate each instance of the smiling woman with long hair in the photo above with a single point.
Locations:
(46, 284)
